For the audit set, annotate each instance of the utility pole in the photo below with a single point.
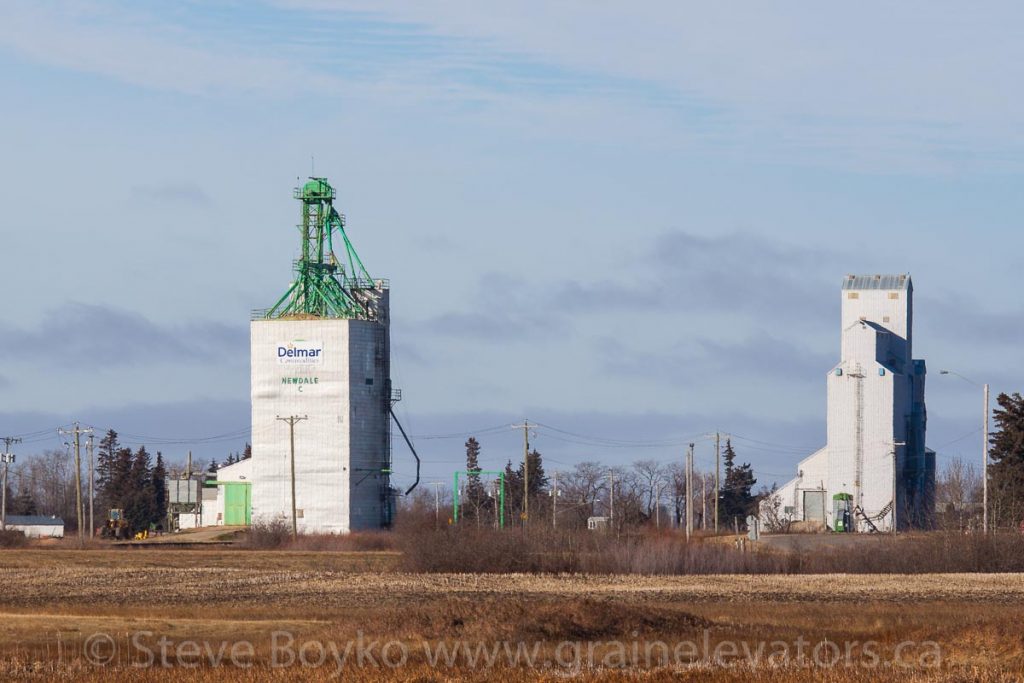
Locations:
(984, 446)
(77, 432)
(657, 508)
(611, 499)
(526, 468)
(437, 503)
(984, 468)
(554, 501)
(291, 420)
(703, 501)
(92, 489)
(8, 458)
(718, 488)
(689, 492)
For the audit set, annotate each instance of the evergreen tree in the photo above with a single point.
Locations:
(230, 460)
(159, 491)
(24, 504)
(247, 453)
(106, 457)
(212, 469)
(737, 499)
(476, 495)
(513, 493)
(139, 506)
(117, 486)
(1007, 454)
(538, 478)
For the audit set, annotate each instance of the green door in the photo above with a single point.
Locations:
(237, 503)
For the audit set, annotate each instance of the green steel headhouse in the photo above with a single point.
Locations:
(325, 286)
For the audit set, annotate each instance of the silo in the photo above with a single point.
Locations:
(321, 386)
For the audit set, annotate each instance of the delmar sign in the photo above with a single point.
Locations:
(300, 352)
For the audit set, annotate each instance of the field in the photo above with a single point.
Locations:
(241, 614)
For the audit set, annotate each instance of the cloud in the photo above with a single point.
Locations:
(612, 438)
(776, 282)
(755, 82)
(209, 428)
(767, 75)
(737, 272)
(131, 46)
(758, 357)
(78, 334)
(504, 309)
(5, 382)
(973, 320)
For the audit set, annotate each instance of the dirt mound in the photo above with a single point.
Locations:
(553, 620)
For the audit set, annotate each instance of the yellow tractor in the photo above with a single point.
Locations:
(116, 526)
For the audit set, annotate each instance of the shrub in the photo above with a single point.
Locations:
(277, 535)
(12, 538)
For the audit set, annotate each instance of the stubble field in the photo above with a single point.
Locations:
(228, 614)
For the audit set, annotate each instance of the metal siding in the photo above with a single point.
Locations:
(321, 441)
(868, 411)
(341, 450)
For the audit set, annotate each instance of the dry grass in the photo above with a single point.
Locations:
(55, 599)
(229, 596)
(645, 552)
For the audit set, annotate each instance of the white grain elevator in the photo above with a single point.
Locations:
(321, 386)
(875, 473)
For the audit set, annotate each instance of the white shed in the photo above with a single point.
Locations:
(37, 526)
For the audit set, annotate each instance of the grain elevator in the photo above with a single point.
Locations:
(321, 385)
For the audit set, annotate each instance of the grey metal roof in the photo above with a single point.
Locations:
(876, 281)
(34, 520)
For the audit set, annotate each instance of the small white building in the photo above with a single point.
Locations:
(875, 462)
(37, 526)
(234, 495)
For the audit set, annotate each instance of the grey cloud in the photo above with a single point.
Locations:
(762, 356)
(683, 272)
(85, 334)
(679, 272)
(209, 428)
(972, 320)
(568, 437)
(5, 382)
(506, 309)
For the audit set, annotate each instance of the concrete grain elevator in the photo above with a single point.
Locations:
(321, 360)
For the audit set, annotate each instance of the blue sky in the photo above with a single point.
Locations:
(624, 222)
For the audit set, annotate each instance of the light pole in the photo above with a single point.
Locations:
(895, 445)
(984, 447)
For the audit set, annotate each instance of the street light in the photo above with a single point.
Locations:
(895, 445)
(984, 447)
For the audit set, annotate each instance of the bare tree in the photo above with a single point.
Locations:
(650, 476)
(583, 487)
(958, 496)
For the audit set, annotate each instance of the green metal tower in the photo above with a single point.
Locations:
(325, 286)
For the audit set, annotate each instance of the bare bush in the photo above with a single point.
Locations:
(277, 535)
(12, 538)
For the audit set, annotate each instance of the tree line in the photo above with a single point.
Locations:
(644, 493)
(131, 480)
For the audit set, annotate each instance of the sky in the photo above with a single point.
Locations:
(625, 222)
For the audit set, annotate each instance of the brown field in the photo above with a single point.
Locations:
(56, 604)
